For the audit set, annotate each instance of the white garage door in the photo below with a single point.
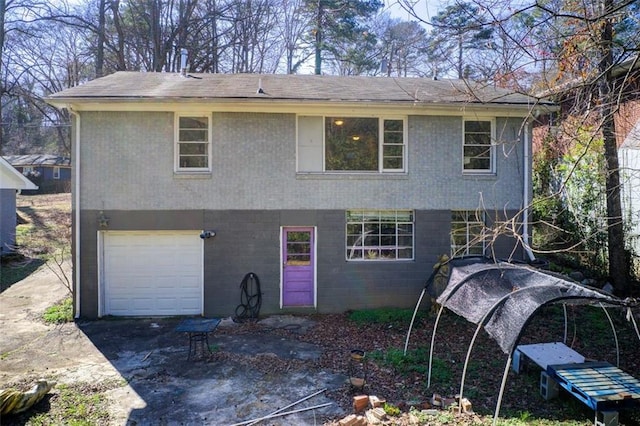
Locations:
(152, 273)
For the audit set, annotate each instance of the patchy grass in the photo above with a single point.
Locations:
(46, 227)
(16, 268)
(415, 361)
(79, 404)
(43, 234)
(388, 316)
(59, 313)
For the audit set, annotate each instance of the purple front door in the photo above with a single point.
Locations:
(298, 267)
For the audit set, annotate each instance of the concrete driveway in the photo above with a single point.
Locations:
(145, 363)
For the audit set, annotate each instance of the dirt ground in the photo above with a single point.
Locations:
(143, 367)
(140, 366)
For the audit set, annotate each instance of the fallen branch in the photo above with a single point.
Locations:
(252, 422)
(286, 413)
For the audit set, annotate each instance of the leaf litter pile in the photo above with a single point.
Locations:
(402, 380)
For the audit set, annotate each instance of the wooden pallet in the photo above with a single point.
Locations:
(599, 385)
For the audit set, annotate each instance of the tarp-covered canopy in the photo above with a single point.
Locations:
(502, 296)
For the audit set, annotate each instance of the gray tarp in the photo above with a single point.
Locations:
(503, 296)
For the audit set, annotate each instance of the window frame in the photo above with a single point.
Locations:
(56, 173)
(469, 236)
(176, 143)
(382, 145)
(397, 248)
(492, 146)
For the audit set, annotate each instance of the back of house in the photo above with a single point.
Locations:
(337, 193)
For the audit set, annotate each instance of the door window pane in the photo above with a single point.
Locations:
(298, 248)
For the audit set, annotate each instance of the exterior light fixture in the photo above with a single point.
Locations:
(338, 122)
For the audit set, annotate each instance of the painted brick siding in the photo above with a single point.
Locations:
(253, 190)
(127, 164)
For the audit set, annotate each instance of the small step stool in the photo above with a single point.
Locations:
(545, 354)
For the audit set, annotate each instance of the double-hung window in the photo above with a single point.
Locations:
(374, 235)
(478, 146)
(338, 144)
(467, 233)
(56, 172)
(193, 144)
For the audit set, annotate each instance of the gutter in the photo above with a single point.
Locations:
(76, 263)
(525, 193)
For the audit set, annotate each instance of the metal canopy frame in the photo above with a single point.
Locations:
(592, 297)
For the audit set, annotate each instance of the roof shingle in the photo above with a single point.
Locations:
(136, 86)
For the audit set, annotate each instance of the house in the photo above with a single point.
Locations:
(576, 113)
(52, 173)
(11, 181)
(629, 161)
(337, 193)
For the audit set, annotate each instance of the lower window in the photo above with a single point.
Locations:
(467, 233)
(374, 235)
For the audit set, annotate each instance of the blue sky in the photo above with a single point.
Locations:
(426, 9)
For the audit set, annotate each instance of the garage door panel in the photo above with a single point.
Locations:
(148, 274)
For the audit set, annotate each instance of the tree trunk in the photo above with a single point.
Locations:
(100, 46)
(618, 265)
(3, 7)
(318, 69)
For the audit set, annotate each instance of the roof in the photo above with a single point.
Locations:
(38, 160)
(10, 178)
(147, 87)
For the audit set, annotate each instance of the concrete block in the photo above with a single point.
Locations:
(606, 418)
(549, 389)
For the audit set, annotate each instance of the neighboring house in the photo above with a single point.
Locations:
(337, 192)
(52, 173)
(11, 181)
(629, 162)
(575, 113)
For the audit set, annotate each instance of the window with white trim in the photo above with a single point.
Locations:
(375, 235)
(193, 144)
(478, 146)
(56, 172)
(467, 233)
(340, 144)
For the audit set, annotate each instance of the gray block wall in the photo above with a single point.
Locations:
(249, 241)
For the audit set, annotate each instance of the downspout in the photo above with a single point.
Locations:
(525, 194)
(76, 169)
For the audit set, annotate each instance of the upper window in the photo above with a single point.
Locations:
(56, 172)
(467, 230)
(478, 147)
(379, 235)
(351, 144)
(193, 147)
(27, 169)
